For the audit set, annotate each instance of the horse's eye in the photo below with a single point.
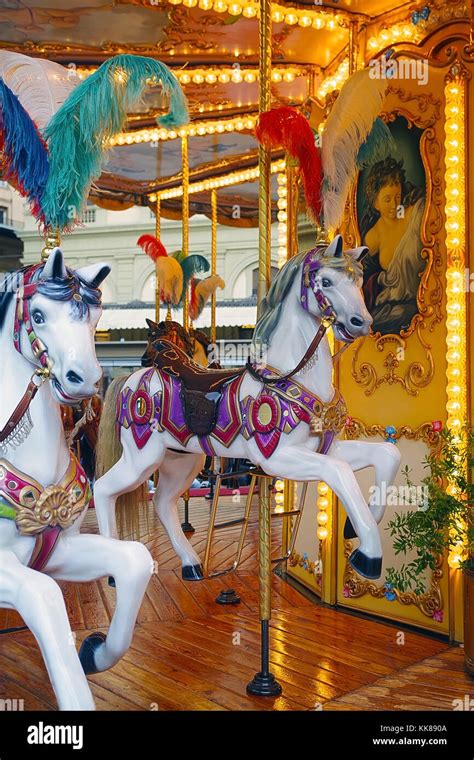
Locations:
(326, 283)
(38, 317)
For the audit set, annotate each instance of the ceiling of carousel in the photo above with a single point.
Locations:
(212, 46)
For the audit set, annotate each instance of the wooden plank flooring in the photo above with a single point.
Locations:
(189, 653)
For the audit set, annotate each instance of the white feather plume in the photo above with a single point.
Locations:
(41, 86)
(347, 127)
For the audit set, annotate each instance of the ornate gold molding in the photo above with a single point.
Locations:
(422, 110)
(429, 603)
(424, 432)
(298, 560)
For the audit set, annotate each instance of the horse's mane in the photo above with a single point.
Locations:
(271, 305)
(58, 289)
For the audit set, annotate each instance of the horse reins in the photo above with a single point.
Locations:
(311, 265)
(40, 352)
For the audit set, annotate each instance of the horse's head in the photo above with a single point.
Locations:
(327, 284)
(331, 288)
(56, 314)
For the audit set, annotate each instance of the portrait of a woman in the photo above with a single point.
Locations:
(390, 228)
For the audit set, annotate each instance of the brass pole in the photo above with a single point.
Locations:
(353, 46)
(292, 197)
(264, 157)
(185, 207)
(264, 559)
(52, 241)
(158, 236)
(291, 250)
(264, 683)
(213, 260)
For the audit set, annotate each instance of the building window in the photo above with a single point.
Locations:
(3, 215)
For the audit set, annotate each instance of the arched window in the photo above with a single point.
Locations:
(148, 290)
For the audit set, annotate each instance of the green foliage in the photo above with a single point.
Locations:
(444, 522)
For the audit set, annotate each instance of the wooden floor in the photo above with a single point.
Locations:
(189, 653)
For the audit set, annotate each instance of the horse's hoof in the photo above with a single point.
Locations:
(87, 652)
(192, 573)
(349, 531)
(368, 567)
(111, 581)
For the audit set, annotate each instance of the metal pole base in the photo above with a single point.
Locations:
(264, 685)
(186, 527)
(228, 596)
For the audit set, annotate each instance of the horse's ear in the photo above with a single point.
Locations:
(54, 269)
(335, 247)
(93, 274)
(358, 253)
(151, 325)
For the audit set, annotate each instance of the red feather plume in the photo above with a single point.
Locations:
(153, 247)
(287, 128)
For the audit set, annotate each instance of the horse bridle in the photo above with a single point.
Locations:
(42, 373)
(311, 265)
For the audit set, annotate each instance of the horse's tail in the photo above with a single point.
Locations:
(108, 452)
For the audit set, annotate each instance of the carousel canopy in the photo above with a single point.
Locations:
(213, 48)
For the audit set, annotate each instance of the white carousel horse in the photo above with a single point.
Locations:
(48, 317)
(283, 415)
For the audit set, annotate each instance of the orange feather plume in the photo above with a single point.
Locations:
(168, 270)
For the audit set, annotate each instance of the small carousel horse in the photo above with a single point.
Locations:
(194, 343)
(283, 413)
(48, 316)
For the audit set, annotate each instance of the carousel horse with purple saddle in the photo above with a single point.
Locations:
(281, 410)
(48, 317)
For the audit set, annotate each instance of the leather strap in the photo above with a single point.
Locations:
(20, 410)
(302, 363)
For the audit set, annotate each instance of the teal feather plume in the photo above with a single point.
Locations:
(78, 133)
(191, 266)
(378, 145)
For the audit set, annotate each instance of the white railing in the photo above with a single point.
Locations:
(88, 216)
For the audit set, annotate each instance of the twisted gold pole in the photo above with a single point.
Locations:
(264, 550)
(185, 207)
(52, 241)
(353, 45)
(264, 683)
(291, 250)
(264, 274)
(264, 157)
(213, 261)
(158, 236)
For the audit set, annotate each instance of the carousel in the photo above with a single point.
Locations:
(340, 576)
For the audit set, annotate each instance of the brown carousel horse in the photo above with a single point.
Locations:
(195, 343)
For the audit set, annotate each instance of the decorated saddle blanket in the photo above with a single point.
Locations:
(277, 410)
(43, 512)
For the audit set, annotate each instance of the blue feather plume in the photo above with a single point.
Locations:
(25, 157)
(191, 266)
(80, 130)
(378, 145)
